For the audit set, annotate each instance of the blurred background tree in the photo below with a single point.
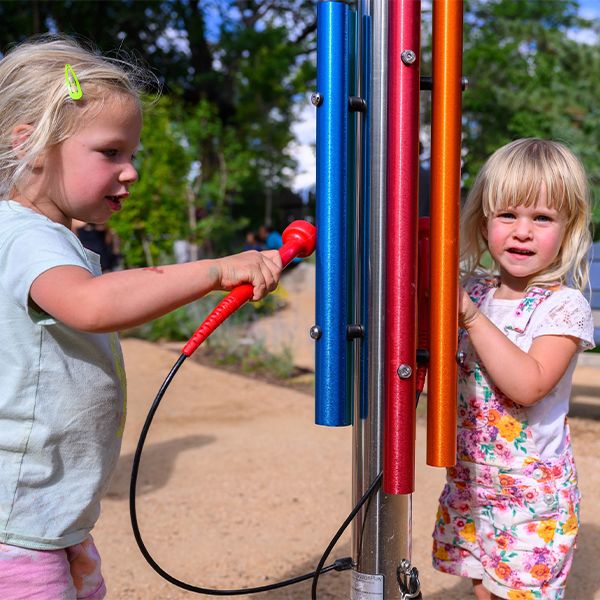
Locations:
(529, 76)
(155, 217)
(215, 155)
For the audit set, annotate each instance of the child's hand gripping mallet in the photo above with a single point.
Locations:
(299, 239)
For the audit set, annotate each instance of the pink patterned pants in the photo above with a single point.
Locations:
(69, 574)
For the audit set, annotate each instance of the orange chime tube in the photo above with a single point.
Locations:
(445, 206)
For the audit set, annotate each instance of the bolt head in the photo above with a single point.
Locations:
(408, 57)
(316, 99)
(315, 332)
(404, 371)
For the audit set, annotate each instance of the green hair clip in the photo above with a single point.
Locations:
(72, 83)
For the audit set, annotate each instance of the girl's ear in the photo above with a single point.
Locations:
(20, 135)
(483, 229)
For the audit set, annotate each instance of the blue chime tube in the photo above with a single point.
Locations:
(352, 213)
(333, 405)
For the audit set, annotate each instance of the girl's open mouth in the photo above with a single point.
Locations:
(521, 251)
(114, 202)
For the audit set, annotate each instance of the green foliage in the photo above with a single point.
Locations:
(224, 169)
(253, 358)
(227, 346)
(528, 78)
(233, 73)
(181, 323)
(155, 214)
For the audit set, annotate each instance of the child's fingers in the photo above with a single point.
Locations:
(273, 264)
(468, 311)
(268, 276)
(260, 269)
(273, 256)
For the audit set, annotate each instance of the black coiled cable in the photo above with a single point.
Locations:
(339, 565)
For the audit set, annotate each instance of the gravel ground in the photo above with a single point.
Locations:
(239, 488)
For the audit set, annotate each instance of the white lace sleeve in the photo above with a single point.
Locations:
(566, 312)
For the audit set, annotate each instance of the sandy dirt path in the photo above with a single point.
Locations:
(239, 488)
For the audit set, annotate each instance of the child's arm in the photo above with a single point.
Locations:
(525, 377)
(124, 299)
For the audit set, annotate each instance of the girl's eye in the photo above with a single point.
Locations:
(544, 218)
(506, 215)
(111, 153)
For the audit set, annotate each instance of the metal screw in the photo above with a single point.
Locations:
(315, 332)
(460, 358)
(404, 371)
(404, 566)
(316, 99)
(408, 57)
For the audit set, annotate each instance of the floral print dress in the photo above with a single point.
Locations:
(507, 515)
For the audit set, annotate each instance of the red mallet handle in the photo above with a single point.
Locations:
(299, 239)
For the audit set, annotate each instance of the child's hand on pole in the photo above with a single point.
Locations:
(467, 310)
(259, 269)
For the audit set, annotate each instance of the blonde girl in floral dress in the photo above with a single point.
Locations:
(509, 513)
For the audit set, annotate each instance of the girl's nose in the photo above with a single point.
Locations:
(522, 228)
(129, 174)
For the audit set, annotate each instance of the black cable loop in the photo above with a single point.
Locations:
(338, 565)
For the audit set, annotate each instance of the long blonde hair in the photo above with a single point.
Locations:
(33, 91)
(513, 176)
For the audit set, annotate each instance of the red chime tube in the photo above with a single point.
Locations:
(401, 246)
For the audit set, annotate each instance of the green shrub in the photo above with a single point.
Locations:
(252, 358)
(181, 323)
(227, 345)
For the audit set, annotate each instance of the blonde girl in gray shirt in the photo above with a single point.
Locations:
(70, 123)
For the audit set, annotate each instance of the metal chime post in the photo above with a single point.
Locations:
(367, 100)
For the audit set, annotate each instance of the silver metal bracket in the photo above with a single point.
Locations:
(408, 581)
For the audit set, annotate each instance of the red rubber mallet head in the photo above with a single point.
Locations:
(299, 239)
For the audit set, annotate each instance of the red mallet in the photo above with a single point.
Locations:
(299, 239)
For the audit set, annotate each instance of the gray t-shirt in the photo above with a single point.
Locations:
(62, 394)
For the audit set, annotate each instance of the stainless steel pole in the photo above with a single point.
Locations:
(382, 532)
